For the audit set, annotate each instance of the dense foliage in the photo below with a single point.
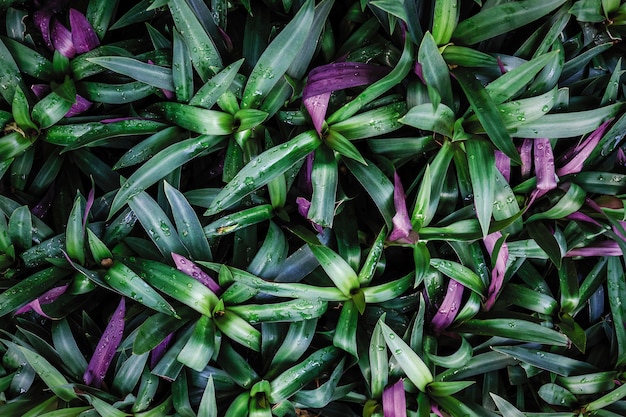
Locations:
(312, 208)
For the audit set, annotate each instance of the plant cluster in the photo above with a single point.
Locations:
(312, 208)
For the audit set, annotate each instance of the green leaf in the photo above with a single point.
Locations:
(593, 383)
(376, 122)
(482, 164)
(568, 204)
(461, 274)
(160, 165)
(337, 269)
(487, 113)
(616, 291)
(435, 70)
(211, 91)
(51, 109)
(285, 311)
(10, 76)
(196, 119)
(188, 225)
(445, 19)
(200, 347)
(508, 84)
(154, 75)
(345, 337)
(238, 330)
(175, 284)
(568, 124)
(439, 119)
(377, 185)
(502, 18)
(293, 379)
(51, 376)
(378, 362)
(75, 231)
(506, 408)
(264, 168)
(324, 179)
(516, 329)
(157, 225)
(182, 71)
(412, 365)
(128, 283)
(552, 362)
(239, 220)
(208, 403)
(277, 57)
(21, 111)
(204, 54)
(29, 288)
(378, 88)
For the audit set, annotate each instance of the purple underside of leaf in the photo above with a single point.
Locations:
(544, 165)
(46, 298)
(325, 79)
(503, 164)
(394, 400)
(40, 90)
(42, 207)
(419, 72)
(449, 307)
(105, 350)
(526, 156)
(605, 248)
(62, 40)
(304, 206)
(84, 37)
(583, 218)
(190, 268)
(497, 274)
(157, 353)
(576, 157)
(434, 408)
(621, 157)
(42, 19)
(317, 106)
(80, 106)
(402, 227)
(90, 199)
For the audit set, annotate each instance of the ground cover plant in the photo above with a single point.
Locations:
(312, 208)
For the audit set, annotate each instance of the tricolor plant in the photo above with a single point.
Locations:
(376, 208)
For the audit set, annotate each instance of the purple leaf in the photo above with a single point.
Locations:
(578, 216)
(190, 268)
(605, 248)
(581, 152)
(157, 353)
(42, 207)
(90, 199)
(105, 350)
(449, 307)
(62, 40)
(40, 90)
(621, 157)
(402, 227)
(544, 166)
(499, 270)
(303, 209)
(503, 164)
(325, 79)
(394, 400)
(526, 157)
(501, 66)
(419, 72)
(81, 105)
(42, 19)
(84, 37)
(46, 298)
